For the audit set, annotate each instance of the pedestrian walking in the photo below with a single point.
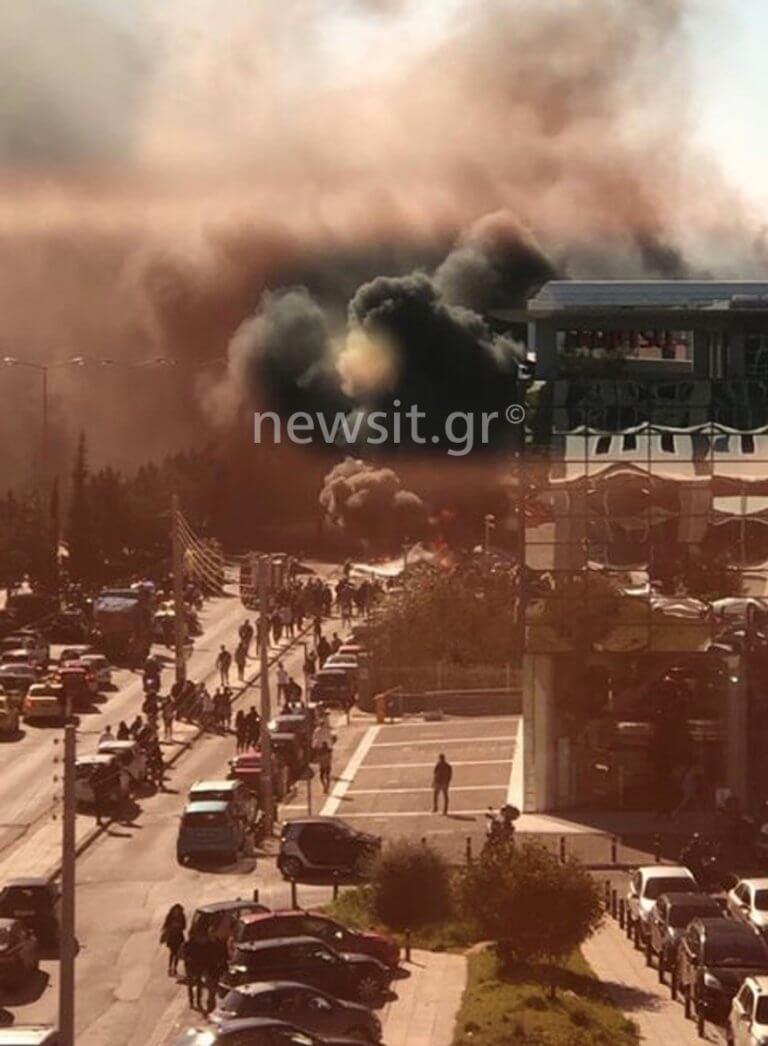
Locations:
(167, 720)
(317, 627)
(325, 762)
(241, 656)
(253, 727)
(282, 680)
(245, 632)
(441, 782)
(172, 936)
(323, 650)
(223, 662)
(277, 626)
(335, 642)
(310, 665)
(206, 710)
(195, 956)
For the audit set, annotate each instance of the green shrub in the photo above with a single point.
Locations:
(411, 886)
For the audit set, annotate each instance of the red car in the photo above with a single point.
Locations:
(298, 923)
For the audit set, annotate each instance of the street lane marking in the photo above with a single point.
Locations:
(515, 787)
(457, 762)
(400, 791)
(444, 741)
(412, 813)
(448, 722)
(333, 801)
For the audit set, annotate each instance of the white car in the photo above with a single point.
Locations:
(646, 885)
(748, 1020)
(31, 642)
(748, 901)
(43, 701)
(101, 667)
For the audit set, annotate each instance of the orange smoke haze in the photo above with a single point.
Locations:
(160, 169)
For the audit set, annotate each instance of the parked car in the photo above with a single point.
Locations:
(79, 684)
(646, 885)
(45, 702)
(748, 901)
(9, 715)
(130, 756)
(20, 657)
(714, 957)
(307, 1008)
(218, 920)
(311, 962)
(29, 1035)
(324, 845)
(294, 922)
(36, 903)
(74, 653)
(31, 642)
(669, 920)
(19, 953)
(257, 1031)
(209, 829)
(239, 796)
(748, 1019)
(332, 688)
(17, 679)
(97, 780)
(101, 669)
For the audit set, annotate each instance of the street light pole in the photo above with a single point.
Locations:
(265, 742)
(67, 944)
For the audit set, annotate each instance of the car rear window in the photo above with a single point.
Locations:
(204, 820)
(761, 900)
(656, 887)
(761, 1010)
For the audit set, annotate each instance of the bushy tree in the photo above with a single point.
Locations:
(411, 885)
(533, 906)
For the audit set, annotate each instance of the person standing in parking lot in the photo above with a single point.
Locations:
(441, 782)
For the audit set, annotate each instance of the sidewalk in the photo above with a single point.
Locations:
(424, 1012)
(634, 988)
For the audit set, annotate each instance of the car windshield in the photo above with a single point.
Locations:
(656, 887)
(761, 1010)
(748, 950)
(761, 900)
(681, 914)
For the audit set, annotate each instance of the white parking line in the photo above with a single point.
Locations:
(444, 741)
(400, 791)
(515, 787)
(331, 804)
(412, 813)
(458, 762)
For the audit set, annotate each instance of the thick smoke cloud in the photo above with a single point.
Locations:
(370, 503)
(163, 165)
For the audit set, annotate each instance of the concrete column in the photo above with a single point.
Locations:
(547, 363)
(539, 747)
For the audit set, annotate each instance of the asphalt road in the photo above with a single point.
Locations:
(129, 877)
(27, 787)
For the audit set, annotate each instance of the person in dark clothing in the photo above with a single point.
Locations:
(241, 730)
(195, 954)
(241, 656)
(123, 733)
(253, 727)
(323, 650)
(441, 781)
(172, 936)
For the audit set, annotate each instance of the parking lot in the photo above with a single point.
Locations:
(386, 786)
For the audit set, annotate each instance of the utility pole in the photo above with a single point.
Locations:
(179, 611)
(267, 801)
(67, 937)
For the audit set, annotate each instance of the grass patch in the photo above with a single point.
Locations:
(502, 1009)
(354, 908)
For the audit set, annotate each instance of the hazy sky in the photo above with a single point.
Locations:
(731, 86)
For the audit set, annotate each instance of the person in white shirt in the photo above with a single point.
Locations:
(107, 736)
(282, 680)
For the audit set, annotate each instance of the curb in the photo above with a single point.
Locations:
(95, 833)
